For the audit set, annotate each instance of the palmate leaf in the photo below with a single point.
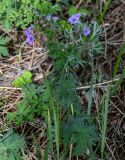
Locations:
(3, 47)
(23, 114)
(66, 91)
(34, 103)
(10, 146)
(81, 133)
(25, 78)
(3, 40)
(6, 24)
(3, 51)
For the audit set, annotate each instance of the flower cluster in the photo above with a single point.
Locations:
(74, 19)
(30, 37)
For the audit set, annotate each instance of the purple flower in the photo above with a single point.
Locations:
(30, 39)
(55, 18)
(78, 15)
(49, 17)
(28, 31)
(29, 36)
(86, 31)
(74, 19)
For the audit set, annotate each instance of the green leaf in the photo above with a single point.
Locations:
(64, 25)
(72, 10)
(7, 25)
(11, 145)
(3, 40)
(3, 48)
(25, 78)
(80, 132)
(31, 106)
(84, 11)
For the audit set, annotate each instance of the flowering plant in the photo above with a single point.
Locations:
(77, 36)
(72, 43)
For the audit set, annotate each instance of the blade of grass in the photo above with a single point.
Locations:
(90, 98)
(50, 146)
(46, 152)
(121, 52)
(105, 9)
(71, 145)
(104, 122)
(118, 83)
(56, 124)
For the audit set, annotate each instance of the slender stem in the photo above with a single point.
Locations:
(70, 152)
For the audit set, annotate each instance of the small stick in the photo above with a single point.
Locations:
(10, 88)
(79, 4)
(97, 85)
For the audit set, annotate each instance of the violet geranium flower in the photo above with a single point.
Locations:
(74, 19)
(78, 15)
(28, 31)
(86, 31)
(29, 36)
(30, 39)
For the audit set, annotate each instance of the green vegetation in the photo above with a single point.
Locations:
(3, 47)
(25, 78)
(63, 101)
(11, 146)
(23, 12)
